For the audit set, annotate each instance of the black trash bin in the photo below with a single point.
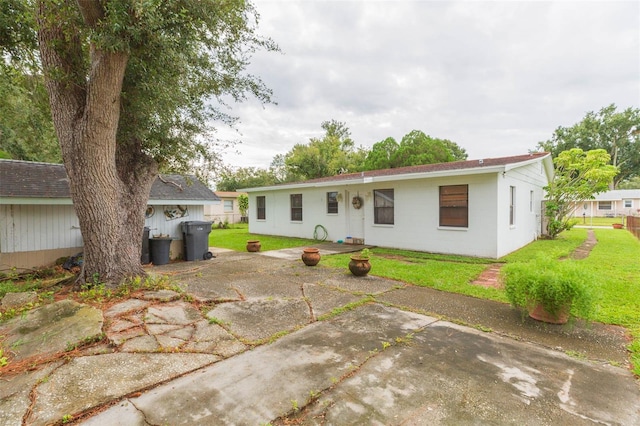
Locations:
(144, 257)
(195, 235)
(159, 248)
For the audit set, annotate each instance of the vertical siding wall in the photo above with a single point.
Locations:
(159, 224)
(38, 227)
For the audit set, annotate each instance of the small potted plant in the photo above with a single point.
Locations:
(359, 264)
(549, 289)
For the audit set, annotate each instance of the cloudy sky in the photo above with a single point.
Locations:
(496, 77)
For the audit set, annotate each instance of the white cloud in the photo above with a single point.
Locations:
(496, 77)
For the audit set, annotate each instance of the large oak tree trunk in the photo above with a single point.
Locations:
(109, 182)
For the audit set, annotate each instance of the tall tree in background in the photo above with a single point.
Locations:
(26, 128)
(335, 153)
(416, 148)
(380, 155)
(132, 88)
(618, 133)
(244, 177)
(579, 175)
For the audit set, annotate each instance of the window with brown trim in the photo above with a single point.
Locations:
(383, 206)
(454, 206)
(261, 203)
(296, 207)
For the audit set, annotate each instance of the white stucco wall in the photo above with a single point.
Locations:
(416, 215)
(416, 212)
(527, 225)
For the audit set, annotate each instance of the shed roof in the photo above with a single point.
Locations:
(485, 165)
(618, 194)
(28, 179)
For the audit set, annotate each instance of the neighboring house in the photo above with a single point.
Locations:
(38, 223)
(227, 210)
(485, 208)
(617, 202)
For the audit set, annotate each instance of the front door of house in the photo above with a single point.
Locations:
(354, 207)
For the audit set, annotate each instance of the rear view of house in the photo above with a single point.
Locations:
(486, 208)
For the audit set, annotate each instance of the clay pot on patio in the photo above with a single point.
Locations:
(253, 246)
(359, 266)
(538, 312)
(310, 256)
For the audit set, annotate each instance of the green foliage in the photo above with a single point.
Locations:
(363, 254)
(243, 204)
(552, 284)
(415, 149)
(578, 176)
(335, 153)
(237, 236)
(618, 133)
(244, 177)
(380, 155)
(633, 183)
(26, 128)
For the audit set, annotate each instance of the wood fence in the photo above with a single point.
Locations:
(633, 225)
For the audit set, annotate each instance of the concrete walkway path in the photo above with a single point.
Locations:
(253, 339)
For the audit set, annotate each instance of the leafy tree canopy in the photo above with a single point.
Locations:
(380, 155)
(633, 183)
(134, 88)
(244, 177)
(26, 128)
(579, 175)
(335, 153)
(618, 133)
(416, 148)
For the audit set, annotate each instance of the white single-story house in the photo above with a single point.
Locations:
(485, 208)
(614, 203)
(38, 223)
(227, 210)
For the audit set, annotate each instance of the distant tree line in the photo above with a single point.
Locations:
(336, 153)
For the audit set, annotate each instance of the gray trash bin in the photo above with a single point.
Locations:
(145, 258)
(195, 235)
(160, 249)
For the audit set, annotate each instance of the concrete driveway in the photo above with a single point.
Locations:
(263, 339)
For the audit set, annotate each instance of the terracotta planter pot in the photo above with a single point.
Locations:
(311, 256)
(253, 246)
(617, 226)
(538, 312)
(359, 267)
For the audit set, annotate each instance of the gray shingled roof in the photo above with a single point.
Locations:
(26, 179)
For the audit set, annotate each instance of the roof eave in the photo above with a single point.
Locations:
(383, 178)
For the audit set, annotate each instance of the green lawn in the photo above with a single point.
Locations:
(614, 262)
(598, 221)
(235, 238)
